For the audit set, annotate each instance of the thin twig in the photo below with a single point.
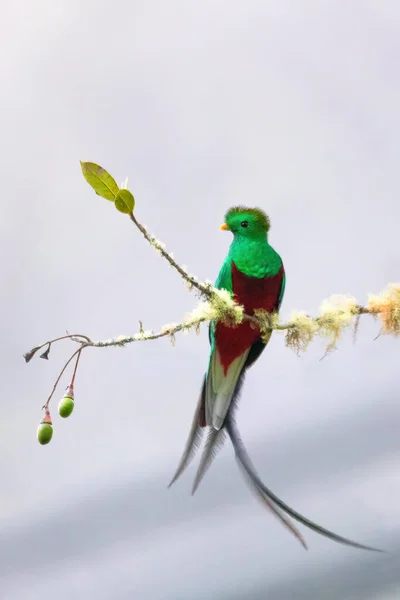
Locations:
(76, 366)
(68, 336)
(46, 404)
(202, 288)
(122, 340)
(74, 337)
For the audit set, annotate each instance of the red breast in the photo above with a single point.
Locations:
(252, 293)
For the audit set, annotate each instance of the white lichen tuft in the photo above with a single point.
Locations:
(266, 323)
(143, 335)
(108, 342)
(147, 334)
(387, 306)
(220, 307)
(225, 307)
(160, 245)
(122, 339)
(169, 328)
(203, 312)
(301, 332)
(340, 303)
(336, 314)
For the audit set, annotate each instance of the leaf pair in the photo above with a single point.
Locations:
(105, 186)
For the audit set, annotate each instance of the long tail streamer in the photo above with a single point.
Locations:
(194, 439)
(245, 463)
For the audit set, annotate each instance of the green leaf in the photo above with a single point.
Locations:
(124, 201)
(100, 180)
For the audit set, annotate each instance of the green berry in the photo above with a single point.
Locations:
(44, 433)
(66, 406)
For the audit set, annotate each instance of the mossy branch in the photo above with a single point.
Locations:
(336, 314)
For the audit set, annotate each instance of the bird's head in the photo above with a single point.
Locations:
(246, 222)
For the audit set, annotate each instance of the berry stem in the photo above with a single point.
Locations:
(77, 352)
(76, 367)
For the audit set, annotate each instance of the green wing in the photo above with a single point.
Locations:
(223, 281)
(282, 292)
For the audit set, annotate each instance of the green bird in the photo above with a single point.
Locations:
(254, 275)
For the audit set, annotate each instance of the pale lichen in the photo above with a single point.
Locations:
(204, 311)
(148, 334)
(225, 307)
(301, 331)
(168, 328)
(336, 314)
(220, 307)
(121, 340)
(266, 323)
(387, 306)
(143, 335)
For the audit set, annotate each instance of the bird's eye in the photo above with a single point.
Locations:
(244, 224)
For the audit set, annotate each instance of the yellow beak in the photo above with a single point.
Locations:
(224, 227)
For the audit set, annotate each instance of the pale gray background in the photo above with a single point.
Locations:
(289, 105)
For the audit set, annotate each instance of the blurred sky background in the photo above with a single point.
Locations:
(292, 106)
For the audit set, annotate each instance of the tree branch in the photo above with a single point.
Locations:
(336, 315)
(191, 281)
(218, 305)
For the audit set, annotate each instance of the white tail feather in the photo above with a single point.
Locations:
(214, 443)
(193, 440)
(220, 388)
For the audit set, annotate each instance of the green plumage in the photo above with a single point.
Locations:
(250, 252)
(253, 273)
(249, 249)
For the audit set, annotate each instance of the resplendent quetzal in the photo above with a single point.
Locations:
(253, 273)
